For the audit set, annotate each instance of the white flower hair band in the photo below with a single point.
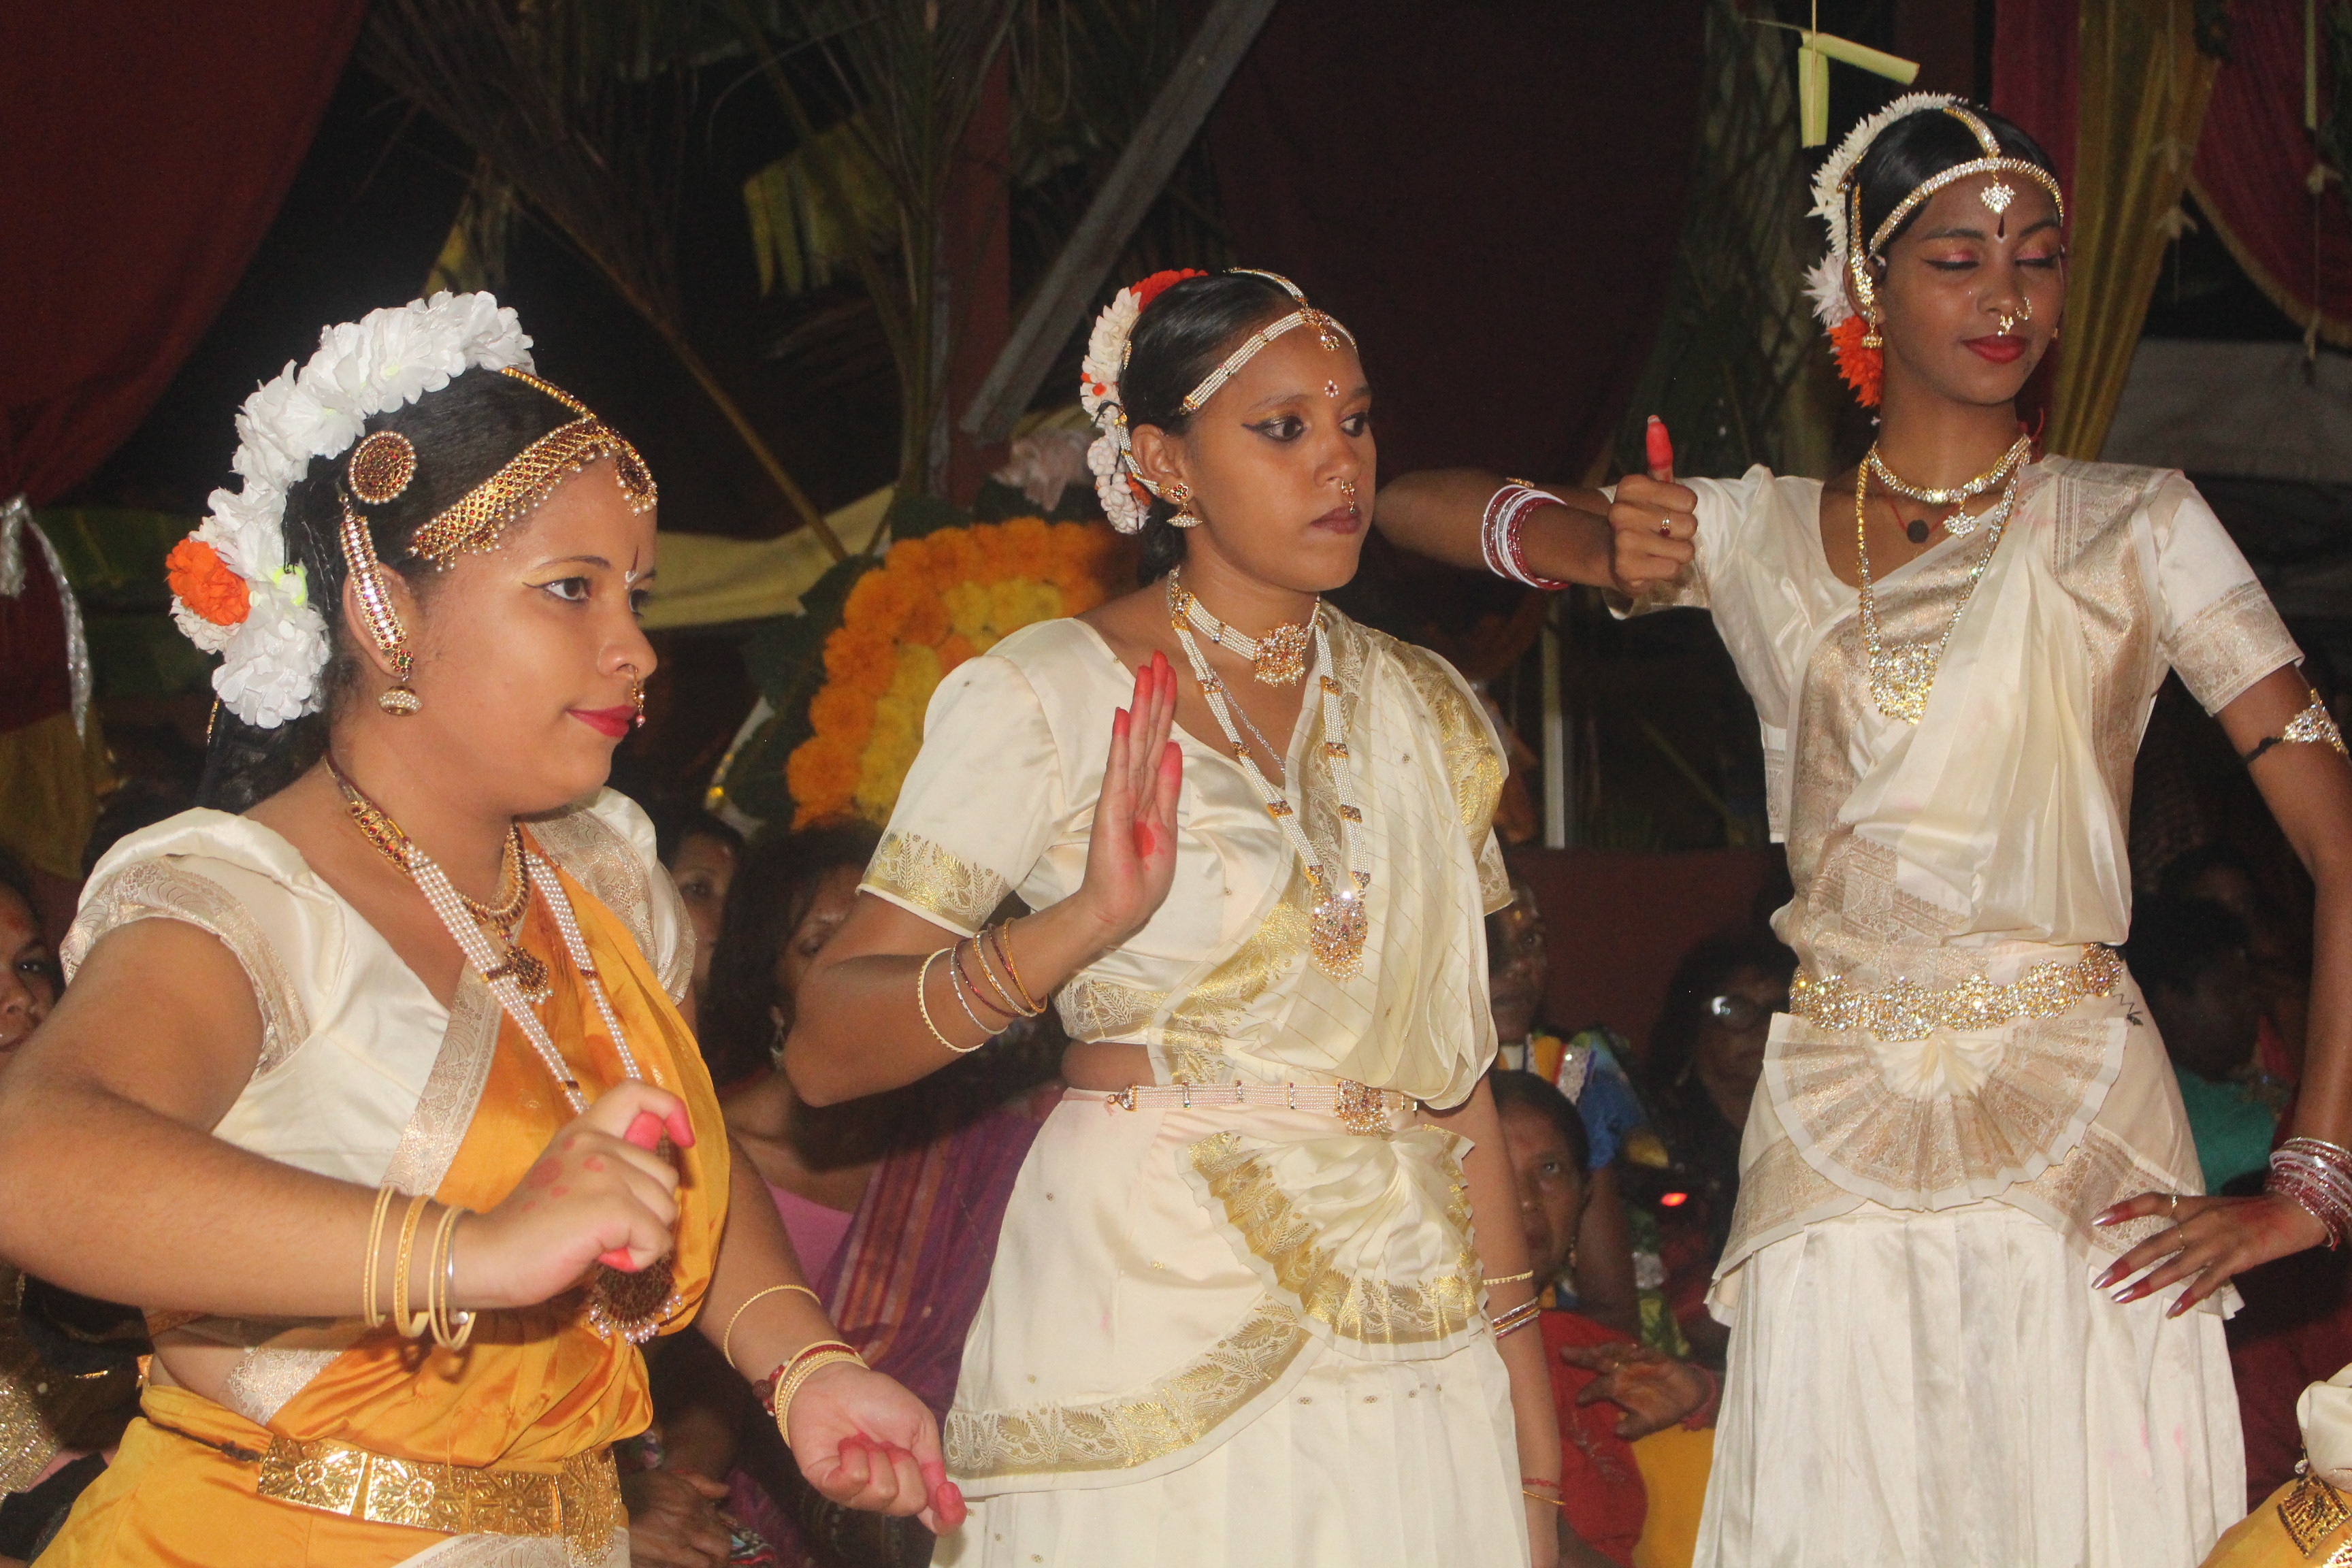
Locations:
(233, 592)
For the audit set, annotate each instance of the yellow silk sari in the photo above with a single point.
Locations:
(395, 1451)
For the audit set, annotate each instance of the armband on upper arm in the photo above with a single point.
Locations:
(2315, 726)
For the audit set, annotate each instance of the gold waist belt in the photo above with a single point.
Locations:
(1361, 1108)
(579, 1504)
(1906, 1010)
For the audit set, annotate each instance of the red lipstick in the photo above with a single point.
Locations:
(1999, 350)
(611, 722)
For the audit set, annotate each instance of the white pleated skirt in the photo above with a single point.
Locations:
(1948, 1391)
(1362, 1464)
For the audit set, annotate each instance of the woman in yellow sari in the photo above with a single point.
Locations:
(377, 1094)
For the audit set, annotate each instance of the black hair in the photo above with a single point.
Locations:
(16, 879)
(463, 434)
(767, 901)
(1702, 974)
(674, 825)
(1179, 340)
(1529, 1091)
(1921, 145)
(2174, 942)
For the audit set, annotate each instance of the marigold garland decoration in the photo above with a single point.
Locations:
(1859, 368)
(204, 584)
(935, 601)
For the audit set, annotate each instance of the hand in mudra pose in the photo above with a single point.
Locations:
(1132, 851)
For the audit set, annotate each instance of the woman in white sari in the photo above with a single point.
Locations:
(1967, 1128)
(1237, 1315)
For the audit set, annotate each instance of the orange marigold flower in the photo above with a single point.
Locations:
(204, 583)
(1863, 369)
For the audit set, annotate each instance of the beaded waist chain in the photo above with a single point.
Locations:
(579, 1504)
(1361, 1108)
(1906, 1010)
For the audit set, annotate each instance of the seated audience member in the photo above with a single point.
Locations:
(893, 1203)
(2189, 956)
(1697, 1077)
(702, 854)
(2278, 944)
(1627, 1497)
(68, 1365)
(1518, 972)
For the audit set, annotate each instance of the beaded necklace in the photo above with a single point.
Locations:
(1338, 927)
(620, 1304)
(1277, 658)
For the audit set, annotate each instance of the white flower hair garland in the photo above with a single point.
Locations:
(1826, 282)
(1126, 495)
(233, 591)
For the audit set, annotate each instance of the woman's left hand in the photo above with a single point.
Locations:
(865, 1442)
(2212, 1239)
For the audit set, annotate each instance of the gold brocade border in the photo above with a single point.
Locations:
(1371, 1311)
(1170, 1414)
(927, 874)
(2313, 1514)
(580, 1504)
(1472, 764)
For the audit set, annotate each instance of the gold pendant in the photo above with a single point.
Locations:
(1337, 929)
(528, 970)
(1902, 680)
(631, 1307)
(1281, 654)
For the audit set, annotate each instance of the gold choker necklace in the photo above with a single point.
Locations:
(1277, 658)
(1959, 524)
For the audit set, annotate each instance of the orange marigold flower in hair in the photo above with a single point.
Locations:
(204, 584)
(1861, 368)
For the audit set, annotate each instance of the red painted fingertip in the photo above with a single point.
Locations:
(681, 1128)
(617, 1259)
(1119, 723)
(947, 1502)
(644, 1130)
(1659, 449)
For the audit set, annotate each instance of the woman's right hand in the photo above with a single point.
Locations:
(1132, 852)
(596, 1191)
(1652, 523)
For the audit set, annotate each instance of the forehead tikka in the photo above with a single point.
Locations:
(1329, 333)
(1996, 196)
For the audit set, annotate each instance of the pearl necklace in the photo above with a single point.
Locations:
(620, 1304)
(1959, 522)
(1902, 678)
(1337, 926)
(1277, 658)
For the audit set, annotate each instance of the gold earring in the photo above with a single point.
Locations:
(1870, 338)
(399, 700)
(1179, 496)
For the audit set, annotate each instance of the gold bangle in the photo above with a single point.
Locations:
(1003, 937)
(402, 1323)
(961, 983)
(807, 1365)
(450, 1330)
(922, 980)
(1518, 1317)
(727, 1340)
(374, 1265)
(1554, 1502)
(1510, 1279)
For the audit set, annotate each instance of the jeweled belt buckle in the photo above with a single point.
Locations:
(1361, 1109)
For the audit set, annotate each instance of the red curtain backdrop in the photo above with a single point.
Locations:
(2036, 65)
(146, 149)
(1556, 140)
(2253, 166)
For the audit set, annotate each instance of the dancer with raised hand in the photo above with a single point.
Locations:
(373, 1086)
(1237, 1315)
(1966, 1129)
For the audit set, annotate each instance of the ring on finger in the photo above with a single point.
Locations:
(1666, 529)
(2173, 1214)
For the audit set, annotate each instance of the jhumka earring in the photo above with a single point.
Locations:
(1180, 495)
(380, 468)
(1871, 339)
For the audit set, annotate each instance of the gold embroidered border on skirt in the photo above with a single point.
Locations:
(580, 1504)
(1170, 1414)
(927, 874)
(1947, 1118)
(1094, 1008)
(1367, 1311)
